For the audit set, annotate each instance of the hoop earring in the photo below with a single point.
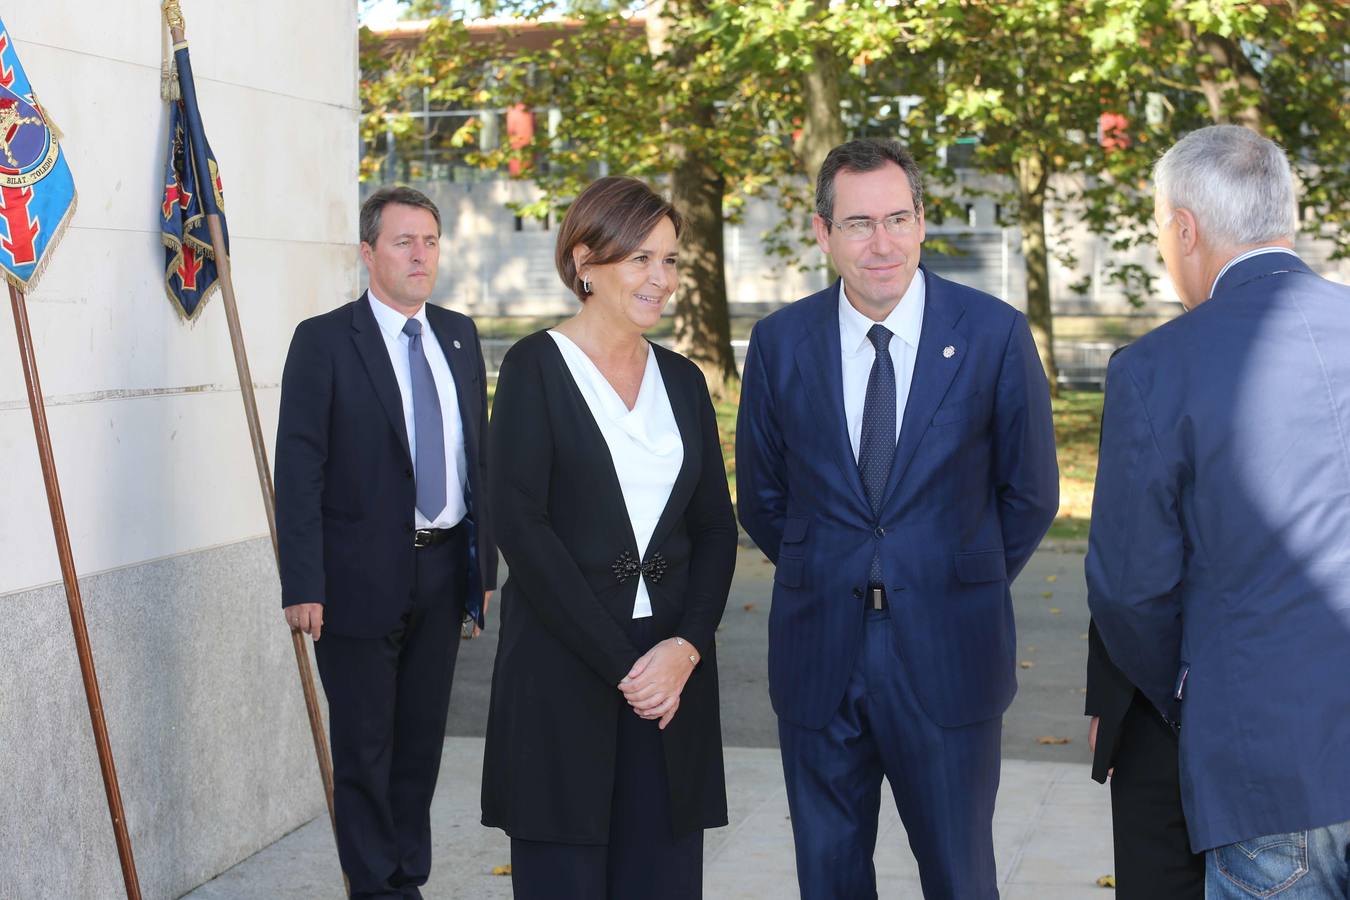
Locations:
(585, 285)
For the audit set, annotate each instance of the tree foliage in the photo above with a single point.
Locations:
(718, 101)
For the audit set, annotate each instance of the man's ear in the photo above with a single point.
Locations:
(822, 229)
(1188, 234)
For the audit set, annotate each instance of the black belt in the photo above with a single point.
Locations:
(876, 598)
(434, 537)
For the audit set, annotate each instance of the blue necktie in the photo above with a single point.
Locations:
(428, 426)
(876, 448)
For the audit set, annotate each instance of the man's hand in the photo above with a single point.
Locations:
(1092, 741)
(306, 617)
(652, 687)
(487, 598)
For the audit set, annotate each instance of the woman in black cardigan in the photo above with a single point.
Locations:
(604, 757)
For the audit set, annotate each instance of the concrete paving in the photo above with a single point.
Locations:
(1051, 838)
(1051, 826)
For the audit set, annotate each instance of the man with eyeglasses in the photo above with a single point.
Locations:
(895, 459)
(1218, 565)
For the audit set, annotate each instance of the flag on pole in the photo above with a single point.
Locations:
(192, 191)
(37, 192)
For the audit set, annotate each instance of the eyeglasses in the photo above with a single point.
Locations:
(861, 229)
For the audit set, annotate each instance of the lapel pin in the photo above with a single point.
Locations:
(948, 351)
(456, 343)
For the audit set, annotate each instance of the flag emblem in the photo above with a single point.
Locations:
(37, 193)
(191, 273)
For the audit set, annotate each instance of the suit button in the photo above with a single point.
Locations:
(857, 593)
(880, 532)
(408, 528)
(408, 473)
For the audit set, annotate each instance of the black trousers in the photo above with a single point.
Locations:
(1153, 853)
(387, 703)
(643, 859)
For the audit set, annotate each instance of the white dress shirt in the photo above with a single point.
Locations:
(905, 322)
(391, 323)
(644, 443)
(1245, 256)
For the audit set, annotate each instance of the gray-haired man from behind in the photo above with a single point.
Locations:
(1219, 560)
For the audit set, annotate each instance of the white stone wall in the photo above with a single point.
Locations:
(152, 450)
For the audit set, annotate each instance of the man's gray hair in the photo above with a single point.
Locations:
(372, 211)
(1235, 182)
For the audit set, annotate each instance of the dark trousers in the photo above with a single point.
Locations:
(944, 781)
(643, 859)
(387, 703)
(1153, 853)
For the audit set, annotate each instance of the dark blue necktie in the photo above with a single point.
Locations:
(429, 428)
(876, 448)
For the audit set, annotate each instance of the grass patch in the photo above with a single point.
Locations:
(1078, 422)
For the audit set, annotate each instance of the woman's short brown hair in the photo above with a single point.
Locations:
(612, 217)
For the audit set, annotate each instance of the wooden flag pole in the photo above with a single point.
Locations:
(73, 601)
(174, 18)
(270, 501)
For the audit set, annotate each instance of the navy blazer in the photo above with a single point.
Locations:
(344, 473)
(1219, 559)
(973, 488)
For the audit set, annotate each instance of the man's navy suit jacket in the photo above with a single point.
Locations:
(1219, 558)
(972, 490)
(344, 473)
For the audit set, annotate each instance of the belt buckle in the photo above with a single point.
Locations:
(421, 538)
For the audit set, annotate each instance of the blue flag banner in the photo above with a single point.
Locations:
(192, 191)
(37, 192)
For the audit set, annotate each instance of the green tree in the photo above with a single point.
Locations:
(1017, 75)
(1282, 69)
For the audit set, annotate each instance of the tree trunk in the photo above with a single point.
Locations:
(1032, 178)
(702, 314)
(823, 122)
(1230, 83)
(822, 125)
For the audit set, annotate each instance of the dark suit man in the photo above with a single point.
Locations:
(384, 549)
(1136, 748)
(1219, 560)
(895, 459)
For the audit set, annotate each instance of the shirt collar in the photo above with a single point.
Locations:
(390, 320)
(1242, 257)
(905, 321)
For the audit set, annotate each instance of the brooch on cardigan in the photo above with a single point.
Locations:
(626, 567)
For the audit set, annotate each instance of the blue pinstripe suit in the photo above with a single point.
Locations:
(920, 688)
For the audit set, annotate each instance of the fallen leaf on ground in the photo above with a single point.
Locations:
(1052, 578)
(1027, 664)
(1047, 594)
(1055, 610)
(1106, 881)
(502, 870)
(749, 607)
(1050, 740)
(1083, 637)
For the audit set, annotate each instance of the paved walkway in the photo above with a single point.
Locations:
(1051, 836)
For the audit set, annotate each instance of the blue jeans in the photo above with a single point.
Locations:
(1301, 865)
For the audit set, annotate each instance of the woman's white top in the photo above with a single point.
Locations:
(644, 443)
